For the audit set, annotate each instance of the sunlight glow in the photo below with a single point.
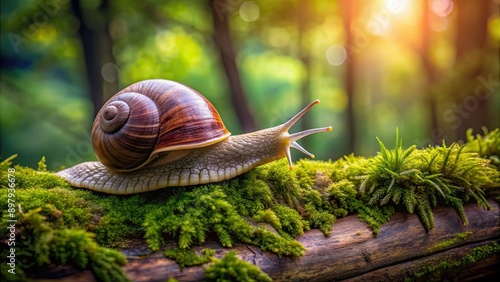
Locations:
(396, 7)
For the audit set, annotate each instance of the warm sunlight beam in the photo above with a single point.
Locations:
(397, 7)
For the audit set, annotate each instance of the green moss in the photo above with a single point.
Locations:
(40, 242)
(437, 272)
(230, 268)
(312, 195)
(282, 182)
(291, 221)
(191, 215)
(268, 216)
(448, 243)
(248, 194)
(487, 145)
(417, 180)
(189, 257)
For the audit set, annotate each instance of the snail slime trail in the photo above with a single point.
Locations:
(159, 133)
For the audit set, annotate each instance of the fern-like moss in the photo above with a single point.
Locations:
(486, 145)
(231, 268)
(418, 180)
(189, 257)
(190, 216)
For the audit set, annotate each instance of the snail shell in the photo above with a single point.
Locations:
(150, 117)
(158, 133)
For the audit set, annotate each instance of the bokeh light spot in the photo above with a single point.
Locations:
(249, 11)
(336, 55)
(441, 8)
(110, 72)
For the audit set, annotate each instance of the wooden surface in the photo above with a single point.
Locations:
(353, 253)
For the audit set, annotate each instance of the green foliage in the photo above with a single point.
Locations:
(282, 182)
(291, 221)
(191, 215)
(42, 189)
(418, 179)
(42, 166)
(313, 195)
(248, 194)
(40, 241)
(344, 197)
(268, 216)
(231, 268)
(27, 177)
(185, 257)
(487, 146)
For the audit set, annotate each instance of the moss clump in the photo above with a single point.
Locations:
(444, 269)
(346, 199)
(48, 221)
(230, 268)
(27, 177)
(418, 179)
(487, 146)
(313, 195)
(190, 216)
(188, 257)
(41, 240)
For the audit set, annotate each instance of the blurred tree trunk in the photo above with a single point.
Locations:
(471, 108)
(97, 50)
(303, 20)
(349, 14)
(222, 40)
(431, 73)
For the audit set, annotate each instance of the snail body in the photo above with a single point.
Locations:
(186, 143)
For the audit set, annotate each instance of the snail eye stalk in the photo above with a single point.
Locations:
(292, 138)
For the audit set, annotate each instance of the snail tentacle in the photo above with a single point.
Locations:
(292, 138)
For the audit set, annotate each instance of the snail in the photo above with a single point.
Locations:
(159, 133)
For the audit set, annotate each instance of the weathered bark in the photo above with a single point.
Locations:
(353, 253)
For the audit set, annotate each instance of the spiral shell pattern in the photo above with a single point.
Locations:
(153, 116)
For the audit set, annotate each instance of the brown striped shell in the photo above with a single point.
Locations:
(153, 116)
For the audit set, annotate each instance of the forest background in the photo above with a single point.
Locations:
(429, 68)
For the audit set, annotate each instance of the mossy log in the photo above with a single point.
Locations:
(353, 253)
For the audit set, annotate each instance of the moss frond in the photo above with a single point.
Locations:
(41, 243)
(231, 268)
(418, 180)
(191, 215)
(486, 145)
(189, 257)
